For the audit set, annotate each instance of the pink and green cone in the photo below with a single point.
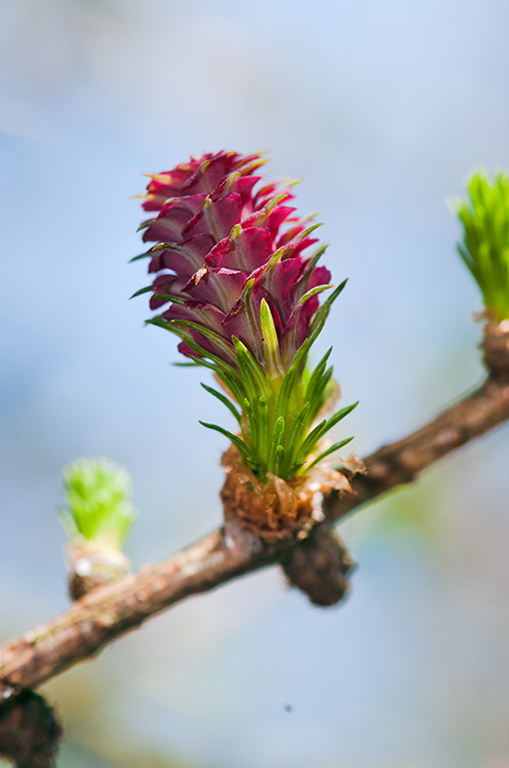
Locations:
(237, 278)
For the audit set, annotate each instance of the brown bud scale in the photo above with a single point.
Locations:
(276, 509)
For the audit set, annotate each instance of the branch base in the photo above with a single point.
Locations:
(495, 347)
(276, 510)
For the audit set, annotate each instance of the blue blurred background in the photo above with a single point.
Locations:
(383, 107)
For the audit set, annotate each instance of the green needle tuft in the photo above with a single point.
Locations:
(484, 216)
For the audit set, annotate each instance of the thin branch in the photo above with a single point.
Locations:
(109, 612)
(402, 462)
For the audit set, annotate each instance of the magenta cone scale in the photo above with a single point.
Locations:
(238, 281)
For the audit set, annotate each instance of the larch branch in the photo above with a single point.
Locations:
(110, 611)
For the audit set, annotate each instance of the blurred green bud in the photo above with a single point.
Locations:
(98, 505)
(484, 215)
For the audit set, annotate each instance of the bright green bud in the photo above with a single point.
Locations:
(98, 502)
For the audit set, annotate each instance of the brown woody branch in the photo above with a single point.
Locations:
(110, 611)
(402, 462)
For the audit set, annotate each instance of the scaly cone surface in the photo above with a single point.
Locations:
(238, 280)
